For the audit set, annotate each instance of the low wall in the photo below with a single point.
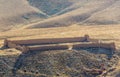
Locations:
(11, 45)
(101, 45)
(85, 42)
(51, 40)
(94, 40)
(16, 46)
(81, 45)
(5, 44)
(45, 48)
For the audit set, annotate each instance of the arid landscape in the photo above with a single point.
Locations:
(43, 19)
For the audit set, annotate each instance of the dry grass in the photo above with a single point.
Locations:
(17, 12)
(108, 33)
(89, 12)
(101, 32)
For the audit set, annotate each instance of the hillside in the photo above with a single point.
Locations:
(17, 12)
(86, 12)
(59, 63)
(72, 61)
(109, 15)
(51, 7)
(43, 19)
(54, 13)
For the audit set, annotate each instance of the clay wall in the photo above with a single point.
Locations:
(81, 45)
(43, 48)
(102, 45)
(50, 40)
(12, 45)
(85, 42)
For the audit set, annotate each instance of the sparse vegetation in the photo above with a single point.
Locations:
(34, 19)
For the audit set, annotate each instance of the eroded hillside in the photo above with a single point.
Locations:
(95, 12)
(74, 62)
(52, 7)
(17, 13)
(52, 13)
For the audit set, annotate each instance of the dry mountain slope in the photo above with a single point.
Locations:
(52, 7)
(16, 12)
(107, 16)
(90, 12)
(54, 13)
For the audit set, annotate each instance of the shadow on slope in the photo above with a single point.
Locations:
(52, 7)
(79, 15)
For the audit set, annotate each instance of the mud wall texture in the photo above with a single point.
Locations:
(51, 40)
(82, 42)
(50, 47)
(101, 45)
(74, 46)
(10, 44)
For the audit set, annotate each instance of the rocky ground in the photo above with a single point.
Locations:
(57, 63)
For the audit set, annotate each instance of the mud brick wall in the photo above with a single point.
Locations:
(84, 45)
(92, 44)
(83, 42)
(49, 47)
(50, 40)
(5, 44)
(12, 45)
